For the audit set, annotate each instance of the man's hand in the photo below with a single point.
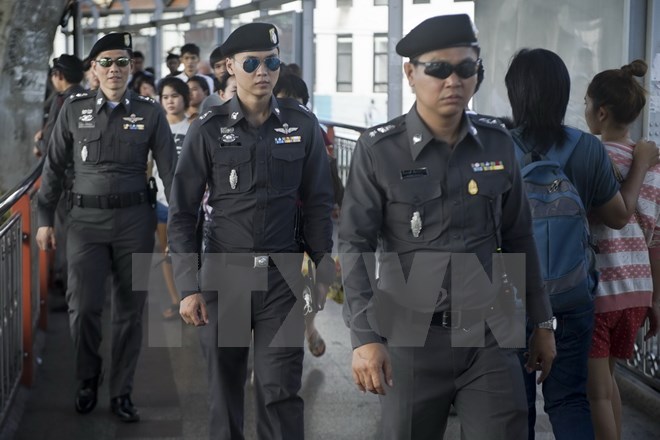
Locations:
(193, 310)
(46, 238)
(646, 152)
(542, 352)
(653, 314)
(321, 290)
(372, 368)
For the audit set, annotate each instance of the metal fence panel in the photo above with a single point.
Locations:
(11, 317)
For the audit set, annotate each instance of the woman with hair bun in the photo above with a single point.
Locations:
(629, 258)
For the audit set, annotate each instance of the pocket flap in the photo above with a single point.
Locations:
(232, 156)
(414, 192)
(288, 154)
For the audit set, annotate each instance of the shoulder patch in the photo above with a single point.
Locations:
(375, 134)
(81, 95)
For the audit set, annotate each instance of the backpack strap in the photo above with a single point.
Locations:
(561, 155)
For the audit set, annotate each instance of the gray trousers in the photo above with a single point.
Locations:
(484, 384)
(277, 370)
(101, 243)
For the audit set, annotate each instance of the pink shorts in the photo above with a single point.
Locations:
(615, 332)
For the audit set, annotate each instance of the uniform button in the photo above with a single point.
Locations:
(455, 236)
(416, 199)
(457, 202)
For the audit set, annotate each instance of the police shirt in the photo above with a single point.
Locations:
(108, 147)
(256, 176)
(412, 193)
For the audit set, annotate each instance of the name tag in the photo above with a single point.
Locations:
(411, 174)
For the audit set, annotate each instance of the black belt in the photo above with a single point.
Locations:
(457, 318)
(109, 201)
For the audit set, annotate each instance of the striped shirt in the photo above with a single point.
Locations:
(623, 258)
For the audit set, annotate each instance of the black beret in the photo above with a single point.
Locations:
(112, 41)
(251, 37)
(436, 33)
(68, 63)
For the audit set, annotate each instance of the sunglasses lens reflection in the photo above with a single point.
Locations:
(107, 62)
(252, 64)
(443, 69)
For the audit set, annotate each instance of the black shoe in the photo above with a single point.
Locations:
(86, 395)
(122, 407)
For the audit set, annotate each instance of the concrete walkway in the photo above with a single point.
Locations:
(171, 390)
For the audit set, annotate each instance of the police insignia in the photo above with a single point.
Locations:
(229, 137)
(273, 35)
(86, 118)
(473, 188)
(83, 153)
(416, 224)
(234, 115)
(233, 179)
(226, 130)
(417, 138)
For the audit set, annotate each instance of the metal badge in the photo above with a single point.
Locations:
(286, 129)
(83, 153)
(234, 115)
(229, 138)
(473, 188)
(416, 224)
(417, 138)
(233, 179)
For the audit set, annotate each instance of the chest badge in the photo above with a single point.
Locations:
(233, 179)
(473, 188)
(228, 138)
(83, 153)
(416, 224)
(132, 119)
(286, 129)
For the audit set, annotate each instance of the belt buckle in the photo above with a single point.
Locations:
(261, 261)
(451, 319)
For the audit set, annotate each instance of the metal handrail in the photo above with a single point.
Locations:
(8, 200)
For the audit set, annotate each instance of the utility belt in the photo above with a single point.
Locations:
(109, 201)
(115, 201)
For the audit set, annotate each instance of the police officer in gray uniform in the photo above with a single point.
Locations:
(437, 180)
(107, 136)
(260, 156)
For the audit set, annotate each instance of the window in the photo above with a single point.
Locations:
(344, 63)
(417, 2)
(380, 2)
(380, 63)
(344, 3)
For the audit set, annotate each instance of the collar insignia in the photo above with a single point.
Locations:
(234, 115)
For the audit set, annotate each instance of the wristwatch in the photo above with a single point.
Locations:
(550, 324)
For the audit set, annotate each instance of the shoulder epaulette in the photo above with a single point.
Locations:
(290, 103)
(147, 99)
(81, 95)
(216, 110)
(487, 121)
(382, 131)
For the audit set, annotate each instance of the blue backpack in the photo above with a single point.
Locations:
(561, 229)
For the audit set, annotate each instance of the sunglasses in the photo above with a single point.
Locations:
(443, 69)
(252, 64)
(120, 62)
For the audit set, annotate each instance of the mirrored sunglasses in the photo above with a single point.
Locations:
(252, 64)
(120, 62)
(443, 69)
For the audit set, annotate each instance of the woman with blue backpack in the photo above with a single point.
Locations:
(567, 174)
(628, 259)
